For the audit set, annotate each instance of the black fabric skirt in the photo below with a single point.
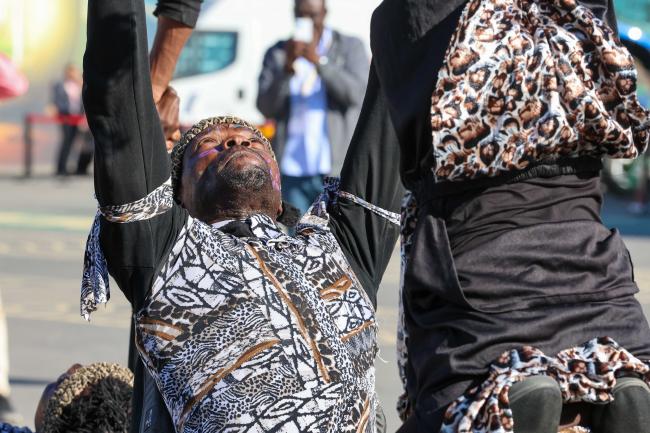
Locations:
(553, 283)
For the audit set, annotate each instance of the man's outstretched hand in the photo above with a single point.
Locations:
(168, 108)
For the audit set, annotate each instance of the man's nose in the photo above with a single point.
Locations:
(237, 141)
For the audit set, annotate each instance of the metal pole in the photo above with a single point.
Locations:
(27, 130)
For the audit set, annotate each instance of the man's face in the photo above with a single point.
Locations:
(72, 73)
(228, 169)
(314, 9)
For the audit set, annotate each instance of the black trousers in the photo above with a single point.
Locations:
(68, 134)
(536, 405)
(85, 153)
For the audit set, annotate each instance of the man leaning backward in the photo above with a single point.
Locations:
(239, 326)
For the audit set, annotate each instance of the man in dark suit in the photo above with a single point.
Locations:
(67, 100)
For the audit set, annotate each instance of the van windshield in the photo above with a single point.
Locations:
(207, 52)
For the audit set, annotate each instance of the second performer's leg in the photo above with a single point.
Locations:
(536, 404)
(629, 412)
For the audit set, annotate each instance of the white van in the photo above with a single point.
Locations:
(218, 69)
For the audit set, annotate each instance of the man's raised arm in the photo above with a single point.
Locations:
(371, 173)
(130, 156)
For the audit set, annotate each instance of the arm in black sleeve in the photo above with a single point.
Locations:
(370, 172)
(130, 156)
(273, 83)
(345, 83)
(183, 11)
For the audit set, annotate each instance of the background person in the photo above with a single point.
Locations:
(313, 90)
(66, 97)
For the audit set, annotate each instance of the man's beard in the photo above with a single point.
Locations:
(235, 193)
(247, 181)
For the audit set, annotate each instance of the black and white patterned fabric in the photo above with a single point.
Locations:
(94, 282)
(8, 428)
(263, 333)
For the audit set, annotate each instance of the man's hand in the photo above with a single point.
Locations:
(168, 108)
(310, 54)
(170, 39)
(294, 49)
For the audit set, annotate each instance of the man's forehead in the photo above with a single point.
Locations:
(310, 4)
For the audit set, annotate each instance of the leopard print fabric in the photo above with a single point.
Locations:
(585, 374)
(95, 289)
(409, 221)
(529, 82)
(268, 333)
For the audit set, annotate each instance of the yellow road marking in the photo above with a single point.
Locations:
(45, 221)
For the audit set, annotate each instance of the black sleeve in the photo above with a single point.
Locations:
(345, 82)
(183, 11)
(273, 83)
(370, 172)
(130, 155)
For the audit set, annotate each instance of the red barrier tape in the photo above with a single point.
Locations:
(61, 119)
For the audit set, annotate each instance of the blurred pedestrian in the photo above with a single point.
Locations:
(66, 97)
(312, 86)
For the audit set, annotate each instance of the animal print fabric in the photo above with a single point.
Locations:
(586, 373)
(409, 221)
(94, 281)
(529, 82)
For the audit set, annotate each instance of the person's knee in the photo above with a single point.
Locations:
(628, 412)
(632, 393)
(536, 405)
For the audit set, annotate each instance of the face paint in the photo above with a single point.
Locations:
(207, 152)
(275, 178)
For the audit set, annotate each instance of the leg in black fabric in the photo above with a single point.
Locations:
(629, 412)
(85, 154)
(536, 405)
(69, 133)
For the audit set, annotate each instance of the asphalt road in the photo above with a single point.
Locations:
(43, 226)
